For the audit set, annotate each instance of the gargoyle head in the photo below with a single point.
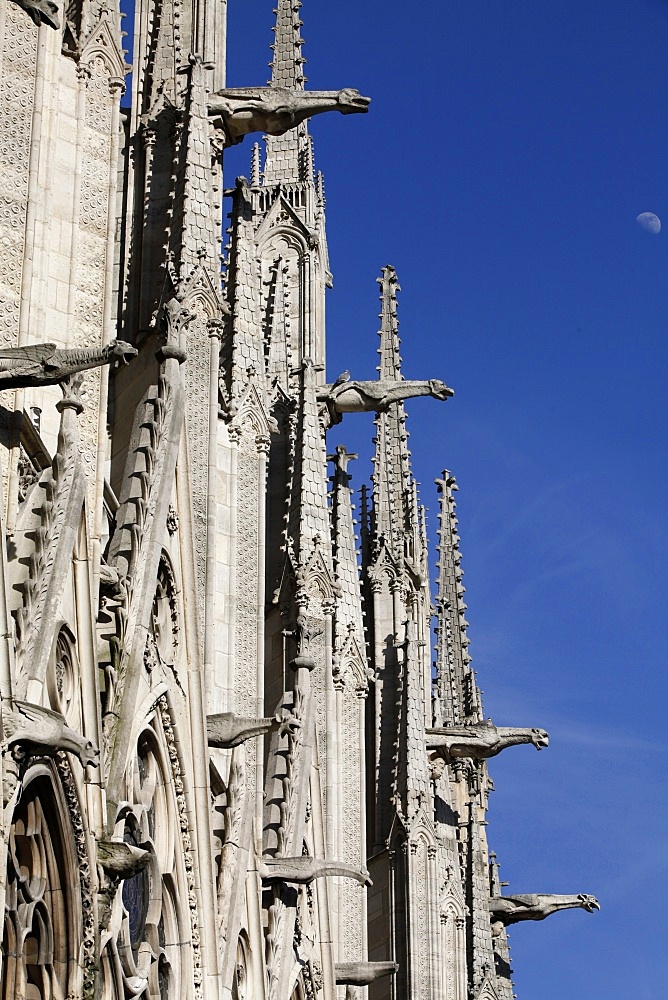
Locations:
(539, 738)
(439, 390)
(124, 352)
(351, 102)
(588, 903)
(85, 750)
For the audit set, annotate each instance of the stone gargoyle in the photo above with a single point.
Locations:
(47, 364)
(228, 730)
(377, 395)
(276, 110)
(121, 860)
(304, 870)
(40, 11)
(362, 973)
(41, 730)
(481, 740)
(506, 910)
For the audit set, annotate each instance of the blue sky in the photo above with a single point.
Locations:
(507, 152)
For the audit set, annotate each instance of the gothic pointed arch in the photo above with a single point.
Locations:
(48, 940)
(150, 947)
(164, 635)
(282, 221)
(243, 986)
(101, 46)
(63, 681)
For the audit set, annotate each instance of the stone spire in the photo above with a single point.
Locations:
(287, 156)
(457, 698)
(391, 476)
(287, 61)
(308, 523)
(348, 625)
(396, 592)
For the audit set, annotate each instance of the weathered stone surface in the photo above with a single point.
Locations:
(276, 110)
(377, 397)
(121, 860)
(481, 740)
(304, 870)
(40, 730)
(228, 730)
(363, 973)
(46, 364)
(536, 906)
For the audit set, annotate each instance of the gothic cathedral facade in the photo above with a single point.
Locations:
(230, 768)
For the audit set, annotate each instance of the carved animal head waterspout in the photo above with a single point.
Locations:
(439, 390)
(351, 102)
(481, 740)
(88, 754)
(275, 110)
(588, 903)
(539, 738)
(45, 731)
(505, 910)
(124, 352)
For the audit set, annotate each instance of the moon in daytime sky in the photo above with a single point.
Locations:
(649, 221)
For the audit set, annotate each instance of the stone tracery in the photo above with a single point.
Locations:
(43, 927)
(148, 943)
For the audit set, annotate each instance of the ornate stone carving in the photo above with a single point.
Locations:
(135, 548)
(29, 473)
(84, 875)
(228, 730)
(506, 910)
(121, 860)
(163, 637)
(304, 870)
(182, 806)
(362, 973)
(276, 110)
(39, 730)
(246, 583)
(481, 740)
(304, 635)
(63, 680)
(49, 560)
(46, 935)
(172, 520)
(376, 396)
(47, 364)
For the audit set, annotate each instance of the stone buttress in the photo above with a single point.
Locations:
(274, 534)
